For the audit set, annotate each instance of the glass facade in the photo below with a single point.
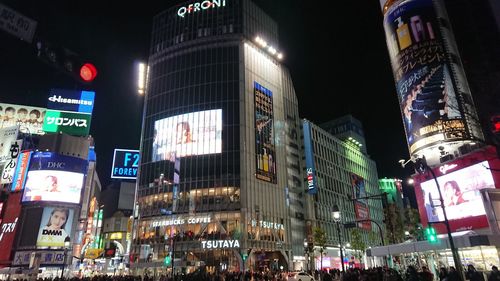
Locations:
(197, 179)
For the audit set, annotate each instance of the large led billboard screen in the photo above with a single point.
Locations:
(189, 134)
(55, 226)
(56, 178)
(432, 91)
(460, 190)
(28, 118)
(265, 150)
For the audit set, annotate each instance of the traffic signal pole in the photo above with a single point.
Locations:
(454, 252)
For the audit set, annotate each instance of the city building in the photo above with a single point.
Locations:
(220, 173)
(340, 173)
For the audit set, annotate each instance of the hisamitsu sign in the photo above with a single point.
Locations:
(125, 164)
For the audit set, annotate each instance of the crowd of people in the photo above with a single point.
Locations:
(355, 274)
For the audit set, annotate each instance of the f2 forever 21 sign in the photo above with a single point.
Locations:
(125, 164)
(200, 6)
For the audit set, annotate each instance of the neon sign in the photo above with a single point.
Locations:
(199, 6)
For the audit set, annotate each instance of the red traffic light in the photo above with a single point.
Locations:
(88, 72)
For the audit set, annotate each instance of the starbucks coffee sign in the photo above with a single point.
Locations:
(220, 244)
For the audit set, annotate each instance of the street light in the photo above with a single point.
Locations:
(306, 250)
(67, 244)
(336, 217)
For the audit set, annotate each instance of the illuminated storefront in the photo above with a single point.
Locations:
(220, 131)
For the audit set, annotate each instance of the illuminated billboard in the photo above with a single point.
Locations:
(460, 191)
(56, 178)
(28, 118)
(71, 123)
(125, 164)
(71, 100)
(265, 150)
(55, 226)
(21, 171)
(190, 134)
(8, 227)
(432, 91)
(361, 207)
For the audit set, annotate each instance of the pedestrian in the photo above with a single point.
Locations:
(494, 275)
(472, 274)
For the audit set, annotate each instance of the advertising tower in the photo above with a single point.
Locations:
(438, 113)
(220, 137)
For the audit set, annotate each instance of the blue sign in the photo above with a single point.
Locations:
(57, 162)
(125, 164)
(310, 169)
(71, 100)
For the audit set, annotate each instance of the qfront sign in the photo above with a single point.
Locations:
(220, 244)
(71, 100)
(200, 6)
(125, 164)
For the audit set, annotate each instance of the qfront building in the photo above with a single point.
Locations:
(220, 145)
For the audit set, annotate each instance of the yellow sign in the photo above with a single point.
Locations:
(116, 235)
(93, 253)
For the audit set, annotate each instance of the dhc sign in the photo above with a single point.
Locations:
(198, 6)
(125, 164)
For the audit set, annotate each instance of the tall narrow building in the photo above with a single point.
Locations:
(220, 169)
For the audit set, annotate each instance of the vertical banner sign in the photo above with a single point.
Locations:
(264, 134)
(7, 137)
(23, 163)
(10, 166)
(361, 207)
(310, 169)
(434, 98)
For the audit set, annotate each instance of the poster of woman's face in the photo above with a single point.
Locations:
(55, 226)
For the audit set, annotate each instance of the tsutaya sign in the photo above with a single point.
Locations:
(266, 224)
(180, 221)
(198, 6)
(220, 244)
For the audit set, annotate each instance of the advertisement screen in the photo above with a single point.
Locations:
(54, 177)
(125, 164)
(425, 80)
(29, 118)
(265, 151)
(361, 207)
(55, 226)
(190, 134)
(460, 190)
(71, 100)
(9, 224)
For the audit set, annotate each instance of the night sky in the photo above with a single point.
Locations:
(337, 57)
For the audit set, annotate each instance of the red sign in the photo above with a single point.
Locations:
(460, 188)
(8, 226)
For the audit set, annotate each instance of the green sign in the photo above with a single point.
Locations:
(72, 123)
(167, 261)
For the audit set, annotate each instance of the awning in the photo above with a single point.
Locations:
(424, 246)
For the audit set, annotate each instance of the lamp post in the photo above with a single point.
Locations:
(337, 219)
(306, 254)
(67, 244)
